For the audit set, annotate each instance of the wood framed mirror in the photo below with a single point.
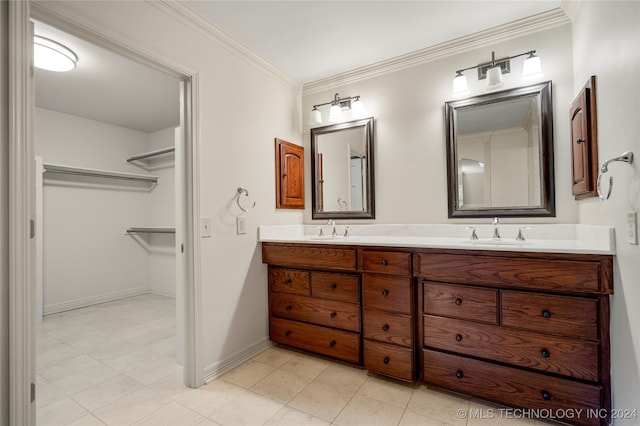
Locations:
(342, 170)
(500, 154)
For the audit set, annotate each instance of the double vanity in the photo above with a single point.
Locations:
(523, 323)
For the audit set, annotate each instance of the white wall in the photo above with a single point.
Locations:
(241, 109)
(408, 107)
(4, 214)
(606, 43)
(88, 258)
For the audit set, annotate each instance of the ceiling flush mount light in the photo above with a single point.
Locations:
(494, 70)
(52, 56)
(338, 105)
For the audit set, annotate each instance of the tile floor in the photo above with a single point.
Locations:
(114, 364)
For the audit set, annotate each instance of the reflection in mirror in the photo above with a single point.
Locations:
(500, 154)
(342, 159)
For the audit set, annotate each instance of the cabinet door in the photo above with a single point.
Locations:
(583, 143)
(289, 175)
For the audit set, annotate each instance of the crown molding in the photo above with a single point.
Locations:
(570, 8)
(536, 23)
(186, 15)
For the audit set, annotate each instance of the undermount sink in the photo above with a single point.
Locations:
(492, 242)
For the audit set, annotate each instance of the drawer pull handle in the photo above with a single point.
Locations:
(334, 286)
(459, 337)
(332, 343)
(288, 308)
(546, 314)
(383, 262)
(288, 332)
(545, 353)
(333, 314)
(385, 292)
(386, 360)
(288, 281)
(458, 301)
(385, 327)
(546, 395)
(459, 374)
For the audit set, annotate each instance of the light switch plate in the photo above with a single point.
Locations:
(241, 225)
(205, 227)
(632, 228)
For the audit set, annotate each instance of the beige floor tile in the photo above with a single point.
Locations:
(288, 416)
(248, 374)
(171, 385)
(150, 371)
(281, 385)
(439, 405)
(208, 398)
(46, 393)
(208, 422)
(106, 392)
(306, 366)
(411, 418)
(275, 356)
(132, 360)
(480, 414)
(363, 411)
(346, 377)
(83, 379)
(133, 408)
(322, 400)
(247, 409)
(60, 413)
(88, 420)
(172, 415)
(393, 393)
(68, 366)
(55, 353)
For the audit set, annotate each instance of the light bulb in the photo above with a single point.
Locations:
(494, 78)
(357, 108)
(460, 86)
(335, 113)
(315, 118)
(532, 68)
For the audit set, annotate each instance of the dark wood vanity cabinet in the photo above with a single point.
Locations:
(528, 330)
(521, 329)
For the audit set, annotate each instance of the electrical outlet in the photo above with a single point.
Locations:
(205, 227)
(632, 228)
(241, 225)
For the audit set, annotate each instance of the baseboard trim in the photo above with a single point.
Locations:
(93, 300)
(163, 292)
(221, 367)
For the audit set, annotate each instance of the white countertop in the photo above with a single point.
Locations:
(546, 238)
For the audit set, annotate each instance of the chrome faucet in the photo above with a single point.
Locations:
(332, 222)
(496, 230)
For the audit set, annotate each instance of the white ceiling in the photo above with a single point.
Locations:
(307, 40)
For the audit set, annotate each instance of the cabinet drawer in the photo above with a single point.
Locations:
(309, 256)
(388, 262)
(513, 386)
(289, 281)
(458, 301)
(341, 315)
(387, 327)
(387, 293)
(329, 285)
(551, 354)
(389, 360)
(548, 274)
(567, 316)
(326, 341)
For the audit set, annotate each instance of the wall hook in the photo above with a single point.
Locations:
(626, 157)
(246, 193)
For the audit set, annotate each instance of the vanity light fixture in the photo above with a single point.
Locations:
(338, 104)
(493, 72)
(52, 56)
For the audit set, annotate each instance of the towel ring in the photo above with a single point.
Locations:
(246, 193)
(626, 157)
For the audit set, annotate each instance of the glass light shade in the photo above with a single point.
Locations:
(357, 108)
(335, 113)
(494, 78)
(315, 117)
(460, 86)
(52, 56)
(532, 68)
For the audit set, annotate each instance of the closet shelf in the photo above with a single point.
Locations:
(151, 230)
(78, 171)
(150, 154)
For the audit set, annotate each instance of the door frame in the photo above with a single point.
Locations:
(22, 200)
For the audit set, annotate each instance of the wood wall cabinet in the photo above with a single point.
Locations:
(584, 142)
(289, 175)
(523, 329)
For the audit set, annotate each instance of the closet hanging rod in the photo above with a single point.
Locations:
(150, 154)
(77, 171)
